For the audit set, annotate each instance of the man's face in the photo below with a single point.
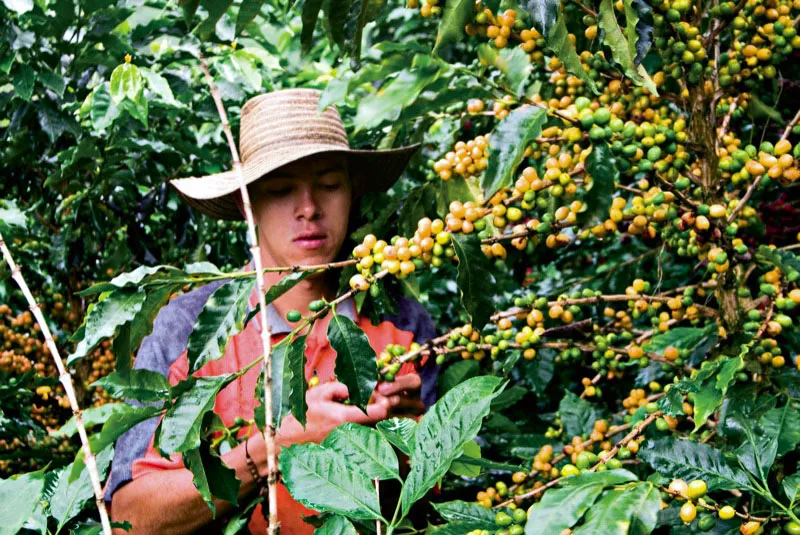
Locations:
(302, 210)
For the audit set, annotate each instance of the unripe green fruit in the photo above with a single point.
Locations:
(293, 316)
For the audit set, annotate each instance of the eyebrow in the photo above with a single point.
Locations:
(321, 172)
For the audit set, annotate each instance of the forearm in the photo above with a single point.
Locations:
(167, 502)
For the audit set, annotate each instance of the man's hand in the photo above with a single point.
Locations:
(403, 396)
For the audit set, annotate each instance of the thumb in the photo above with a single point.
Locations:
(329, 391)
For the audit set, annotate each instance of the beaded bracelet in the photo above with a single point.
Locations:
(251, 465)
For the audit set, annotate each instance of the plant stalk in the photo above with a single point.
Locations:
(66, 380)
(273, 526)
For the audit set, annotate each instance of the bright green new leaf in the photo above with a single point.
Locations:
(103, 111)
(395, 95)
(321, 479)
(364, 449)
(442, 433)
(222, 317)
(355, 359)
(507, 146)
(126, 82)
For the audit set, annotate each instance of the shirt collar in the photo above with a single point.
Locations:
(278, 325)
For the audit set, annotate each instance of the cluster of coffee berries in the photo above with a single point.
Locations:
(468, 158)
(428, 8)
(388, 359)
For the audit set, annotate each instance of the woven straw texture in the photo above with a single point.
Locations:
(281, 127)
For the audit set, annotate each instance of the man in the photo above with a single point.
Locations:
(304, 181)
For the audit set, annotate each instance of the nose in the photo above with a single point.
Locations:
(307, 205)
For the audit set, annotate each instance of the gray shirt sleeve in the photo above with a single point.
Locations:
(158, 351)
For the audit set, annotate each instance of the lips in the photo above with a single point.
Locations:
(311, 240)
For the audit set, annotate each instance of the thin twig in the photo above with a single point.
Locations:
(273, 527)
(790, 126)
(66, 380)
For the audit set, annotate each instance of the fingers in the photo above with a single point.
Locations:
(407, 406)
(331, 391)
(410, 382)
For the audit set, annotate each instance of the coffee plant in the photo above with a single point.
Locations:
(602, 222)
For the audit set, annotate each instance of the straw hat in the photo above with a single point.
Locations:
(281, 127)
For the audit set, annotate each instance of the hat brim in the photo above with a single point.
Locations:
(370, 170)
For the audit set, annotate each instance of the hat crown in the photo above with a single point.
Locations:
(287, 119)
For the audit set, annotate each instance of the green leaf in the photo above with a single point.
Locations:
(632, 510)
(508, 397)
(507, 146)
(53, 81)
(135, 277)
(105, 317)
(126, 82)
(180, 428)
(337, 525)
(512, 62)
(320, 479)
(615, 40)
(543, 14)
(399, 431)
(160, 87)
(141, 385)
(216, 9)
(73, 489)
(577, 415)
(395, 95)
(19, 496)
(222, 317)
(211, 477)
(364, 449)
(561, 45)
(468, 512)
(601, 165)
(457, 373)
(462, 466)
(11, 215)
(638, 28)
(121, 421)
(475, 280)
(279, 288)
(785, 260)
(248, 11)
(103, 111)
(239, 521)
(296, 362)
(685, 459)
(309, 17)
(790, 486)
(91, 416)
(562, 508)
(456, 15)
(24, 79)
(355, 359)
(442, 433)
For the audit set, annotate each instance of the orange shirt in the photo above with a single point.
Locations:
(238, 398)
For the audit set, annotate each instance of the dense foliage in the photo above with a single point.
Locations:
(602, 222)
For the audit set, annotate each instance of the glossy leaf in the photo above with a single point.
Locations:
(180, 428)
(216, 9)
(577, 415)
(24, 80)
(103, 111)
(399, 431)
(395, 94)
(601, 165)
(107, 315)
(295, 360)
(467, 512)
(222, 317)
(279, 288)
(320, 479)
(141, 385)
(248, 11)
(685, 459)
(632, 510)
(456, 14)
(638, 28)
(562, 508)
(71, 495)
(90, 417)
(211, 477)
(442, 432)
(475, 280)
(791, 484)
(19, 497)
(126, 82)
(543, 14)
(364, 449)
(615, 40)
(507, 146)
(309, 17)
(561, 45)
(355, 359)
